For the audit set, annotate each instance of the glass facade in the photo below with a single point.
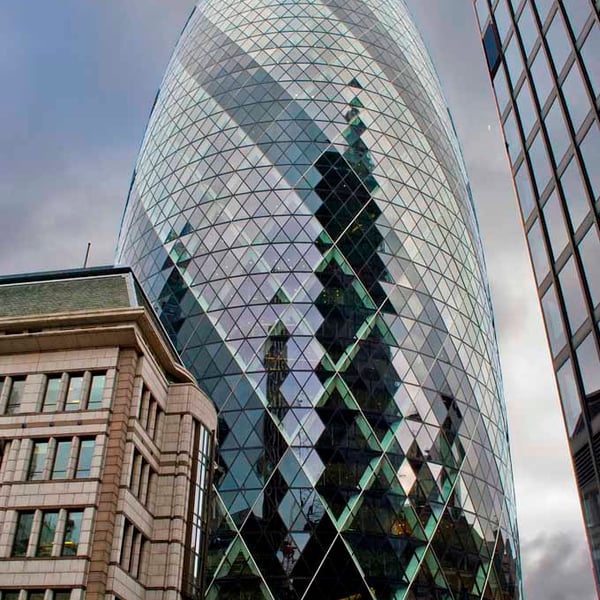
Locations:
(557, 41)
(301, 218)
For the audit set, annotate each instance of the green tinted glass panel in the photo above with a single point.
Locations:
(61, 460)
(84, 462)
(51, 396)
(46, 539)
(96, 392)
(72, 533)
(73, 401)
(22, 534)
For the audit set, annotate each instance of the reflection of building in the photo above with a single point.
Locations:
(300, 215)
(105, 444)
(543, 59)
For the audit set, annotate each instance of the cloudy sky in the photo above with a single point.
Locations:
(78, 78)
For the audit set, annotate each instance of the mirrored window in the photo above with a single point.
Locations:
(526, 108)
(590, 150)
(543, 8)
(572, 293)
(524, 190)
(528, 29)
(514, 62)
(555, 225)
(558, 40)
(569, 396)
(589, 364)
(590, 52)
(574, 193)
(542, 80)
(577, 13)
(557, 131)
(539, 257)
(512, 137)
(502, 19)
(576, 98)
(589, 250)
(501, 89)
(481, 7)
(540, 162)
(553, 320)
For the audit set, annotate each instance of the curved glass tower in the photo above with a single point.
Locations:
(301, 217)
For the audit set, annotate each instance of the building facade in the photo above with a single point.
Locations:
(544, 61)
(301, 217)
(105, 445)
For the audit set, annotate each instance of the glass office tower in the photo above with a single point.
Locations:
(301, 218)
(544, 60)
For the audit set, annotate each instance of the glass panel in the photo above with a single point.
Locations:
(574, 194)
(556, 225)
(15, 396)
(569, 396)
(96, 391)
(61, 461)
(590, 52)
(540, 163)
(46, 539)
(10, 595)
(542, 80)
(528, 29)
(38, 460)
(589, 364)
(576, 98)
(501, 89)
(21, 541)
(542, 7)
(590, 149)
(74, 394)
(84, 461)
(514, 62)
(51, 396)
(72, 533)
(554, 323)
(557, 131)
(558, 40)
(503, 19)
(572, 295)
(482, 12)
(577, 13)
(490, 45)
(539, 258)
(512, 137)
(589, 250)
(62, 595)
(527, 112)
(524, 190)
(36, 595)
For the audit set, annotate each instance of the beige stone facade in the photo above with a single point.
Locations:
(103, 435)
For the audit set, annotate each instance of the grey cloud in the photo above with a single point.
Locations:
(556, 568)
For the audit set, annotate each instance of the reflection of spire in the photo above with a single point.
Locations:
(276, 367)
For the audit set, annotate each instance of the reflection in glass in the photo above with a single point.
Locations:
(560, 45)
(73, 401)
(578, 105)
(84, 461)
(61, 459)
(577, 13)
(96, 391)
(589, 250)
(590, 149)
(555, 225)
(540, 72)
(554, 322)
(528, 29)
(503, 20)
(527, 112)
(524, 190)
(15, 396)
(574, 194)
(570, 286)
(47, 531)
(72, 533)
(569, 397)
(511, 135)
(557, 131)
(51, 396)
(589, 364)
(38, 460)
(539, 258)
(23, 531)
(590, 53)
(501, 88)
(514, 61)
(540, 162)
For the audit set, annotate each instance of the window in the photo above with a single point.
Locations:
(589, 250)
(70, 542)
(47, 533)
(142, 478)
(23, 532)
(501, 88)
(96, 391)
(542, 79)
(557, 131)
(577, 13)
(492, 48)
(539, 257)
(527, 112)
(38, 460)
(569, 397)
(590, 149)
(528, 29)
(51, 395)
(574, 194)
(84, 460)
(74, 391)
(151, 415)
(576, 98)
(589, 364)
(134, 548)
(554, 322)
(572, 295)
(36, 595)
(556, 225)
(15, 395)
(56, 453)
(524, 191)
(61, 459)
(560, 46)
(591, 57)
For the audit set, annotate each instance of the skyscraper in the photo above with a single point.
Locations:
(301, 217)
(544, 60)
